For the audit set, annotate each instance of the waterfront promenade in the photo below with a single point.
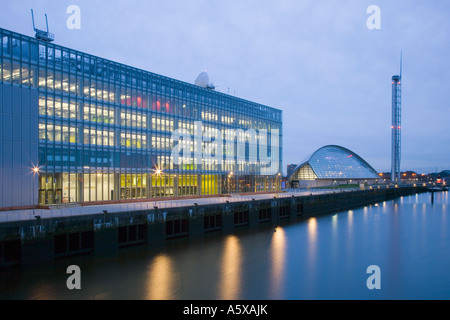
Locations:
(69, 210)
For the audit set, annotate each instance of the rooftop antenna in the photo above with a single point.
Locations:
(40, 34)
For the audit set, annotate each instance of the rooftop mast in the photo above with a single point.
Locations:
(40, 34)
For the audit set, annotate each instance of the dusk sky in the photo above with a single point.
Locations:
(315, 60)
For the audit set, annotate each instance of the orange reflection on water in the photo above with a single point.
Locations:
(42, 292)
(278, 259)
(312, 234)
(160, 279)
(231, 273)
(312, 241)
(312, 252)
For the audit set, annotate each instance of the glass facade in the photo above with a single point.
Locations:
(106, 129)
(334, 163)
(306, 173)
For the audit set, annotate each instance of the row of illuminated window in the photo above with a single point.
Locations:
(133, 119)
(162, 143)
(208, 116)
(58, 133)
(59, 82)
(63, 133)
(91, 136)
(133, 140)
(63, 108)
(24, 76)
(162, 124)
(166, 163)
(190, 127)
(58, 108)
(65, 83)
(187, 164)
(98, 114)
(228, 120)
(247, 123)
(98, 137)
(69, 110)
(15, 74)
(97, 90)
(12, 72)
(106, 115)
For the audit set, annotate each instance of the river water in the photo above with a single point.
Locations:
(320, 257)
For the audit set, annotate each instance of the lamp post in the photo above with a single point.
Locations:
(230, 183)
(35, 171)
(158, 172)
(278, 181)
(277, 201)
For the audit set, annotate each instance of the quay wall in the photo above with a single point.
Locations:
(43, 241)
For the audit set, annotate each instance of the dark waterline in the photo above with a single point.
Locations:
(322, 257)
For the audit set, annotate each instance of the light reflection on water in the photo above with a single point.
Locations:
(278, 261)
(322, 257)
(229, 287)
(160, 279)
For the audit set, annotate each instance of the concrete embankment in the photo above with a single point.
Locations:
(39, 240)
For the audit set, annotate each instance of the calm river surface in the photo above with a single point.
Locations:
(322, 257)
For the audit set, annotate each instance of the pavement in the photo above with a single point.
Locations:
(74, 211)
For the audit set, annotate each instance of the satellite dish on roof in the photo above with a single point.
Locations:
(202, 80)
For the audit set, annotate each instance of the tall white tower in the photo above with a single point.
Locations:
(396, 125)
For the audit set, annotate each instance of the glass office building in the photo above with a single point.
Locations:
(101, 131)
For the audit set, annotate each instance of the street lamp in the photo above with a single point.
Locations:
(278, 184)
(35, 171)
(230, 182)
(158, 172)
